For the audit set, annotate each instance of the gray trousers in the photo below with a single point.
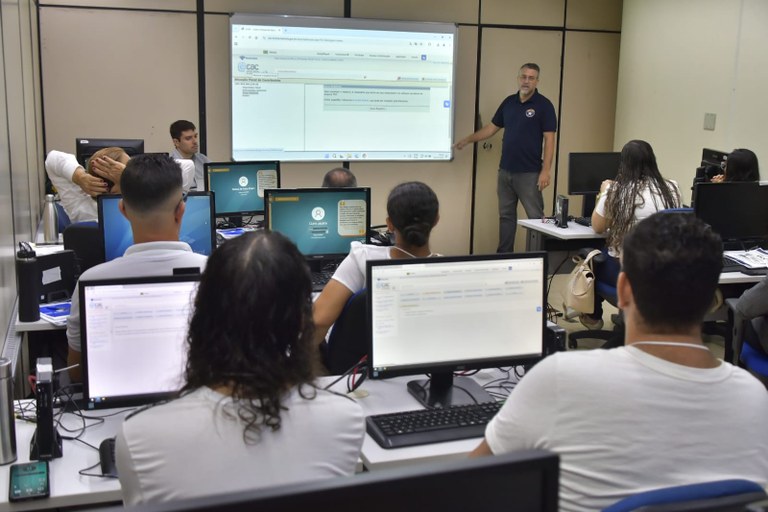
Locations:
(511, 187)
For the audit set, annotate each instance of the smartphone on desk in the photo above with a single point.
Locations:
(29, 481)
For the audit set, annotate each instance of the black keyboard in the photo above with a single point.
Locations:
(107, 457)
(320, 279)
(584, 221)
(426, 426)
(730, 265)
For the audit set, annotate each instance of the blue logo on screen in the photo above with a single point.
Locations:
(423, 56)
(447, 103)
(241, 66)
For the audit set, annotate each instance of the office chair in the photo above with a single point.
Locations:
(348, 341)
(742, 353)
(608, 292)
(61, 217)
(721, 496)
(85, 239)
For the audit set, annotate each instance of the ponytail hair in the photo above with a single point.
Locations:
(413, 208)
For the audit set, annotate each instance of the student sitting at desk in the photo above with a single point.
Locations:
(412, 212)
(753, 305)
(249, 415)
(660, 411)
(153, 202)
(78, 187)
(638, 192)
(741, 165)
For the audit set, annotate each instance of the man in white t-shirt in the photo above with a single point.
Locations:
(660, 411)
(153, 202)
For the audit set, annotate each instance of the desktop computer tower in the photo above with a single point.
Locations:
(554, 339)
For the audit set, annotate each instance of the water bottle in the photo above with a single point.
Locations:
(50, 221)
(7, 422)
(28, 283)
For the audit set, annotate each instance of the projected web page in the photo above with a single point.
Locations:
(456, 311)
(319, 222)
(317, 93)
(135, 337)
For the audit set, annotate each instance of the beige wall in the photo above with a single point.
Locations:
(154, 66)
(681, 59)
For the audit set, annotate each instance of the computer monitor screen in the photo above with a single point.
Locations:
(133, 333)
(85, 148)
(587, 171)
(524, 481)
(713, 157)
(197, 225)
(239, 186)
(737, 211)
(440, 315)
(322, 222)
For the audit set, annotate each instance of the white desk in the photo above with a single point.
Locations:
(391, 395)
(572, 232)
(68, 488)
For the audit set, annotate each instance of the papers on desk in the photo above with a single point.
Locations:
(753, 258)
(56, 312)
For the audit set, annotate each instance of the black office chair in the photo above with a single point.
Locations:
(348, 341)
(85, 239)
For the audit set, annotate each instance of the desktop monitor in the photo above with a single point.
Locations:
(450, 314)
(239, 186)
(524, 481)
(133, 333)
(713, 157)
(587, 171)
(322, 222)
(85, 148)
(197, 225)
(737, 211)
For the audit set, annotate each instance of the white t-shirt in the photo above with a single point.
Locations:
(189, 447)
(624, 421)
(652, 201)
(351, 271)
(140, 260)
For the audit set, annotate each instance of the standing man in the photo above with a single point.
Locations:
(184, 135)
(528, 119)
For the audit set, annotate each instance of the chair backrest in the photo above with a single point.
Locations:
(348, 343)
(721, 495)
(61, 217)
(85, 240)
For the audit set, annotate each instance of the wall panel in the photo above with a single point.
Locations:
(294, 7)
(548, 13)
(424, 10)
(594, 14)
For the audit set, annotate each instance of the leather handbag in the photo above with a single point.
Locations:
(579, 292)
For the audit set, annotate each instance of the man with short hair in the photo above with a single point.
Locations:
(185, 141)
(339, 177)
(529, 120)
(153, 202)
(660, 411)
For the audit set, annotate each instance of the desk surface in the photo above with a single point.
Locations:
(572, 232)
(68, 488)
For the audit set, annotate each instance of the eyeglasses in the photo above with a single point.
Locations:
(527, 78)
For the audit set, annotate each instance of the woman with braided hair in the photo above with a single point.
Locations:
(638, 192)
(412, 212)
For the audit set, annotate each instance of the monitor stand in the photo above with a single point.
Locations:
(445, 390)
(588, 204)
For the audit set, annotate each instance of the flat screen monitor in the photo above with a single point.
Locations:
(197, 225)
(85, 148)
(737, 211)
(587, 171)
(322, 222)
(342, 88)
(449, 314)
(133, 333)
(713, 157)
(238, 187)
(524, 481)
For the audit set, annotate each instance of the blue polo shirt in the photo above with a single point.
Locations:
(524, 126)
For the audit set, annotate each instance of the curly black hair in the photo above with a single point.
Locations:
(251, 328)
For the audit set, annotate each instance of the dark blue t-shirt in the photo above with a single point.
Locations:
(524, 126)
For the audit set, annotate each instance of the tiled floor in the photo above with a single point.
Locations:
(715, 343)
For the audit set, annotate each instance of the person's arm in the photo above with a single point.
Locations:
(73, 338)
(482, 450)
(328, 307)
(754, 302)
(483, 133)
(65, 173)
(546, 164)
(109, 169)
(599, 217)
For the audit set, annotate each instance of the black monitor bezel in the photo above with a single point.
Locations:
(86, 147)
(732, 209)
(242, 163)
(442, 367)
(713, 157)
(320, 190)
(100, 209)
(126, 400)
(572, 169)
